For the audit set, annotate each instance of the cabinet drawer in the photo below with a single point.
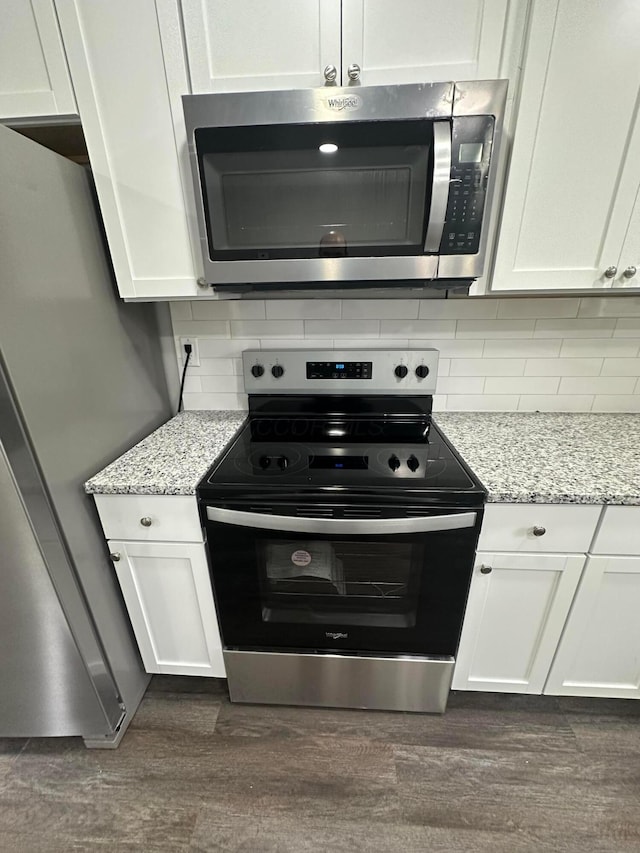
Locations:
(509, 527)
(619, 532)
(168, 518)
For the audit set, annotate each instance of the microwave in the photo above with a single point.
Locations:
(345, 185)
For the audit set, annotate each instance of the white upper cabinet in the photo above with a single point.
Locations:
(411, 41)
(244, 45)
(568, 216)
(239, 45)
(34, 78)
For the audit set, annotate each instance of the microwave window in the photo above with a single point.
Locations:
(329, 198)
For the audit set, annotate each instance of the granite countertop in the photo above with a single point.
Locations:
(549, 457)
(173, 459)
(520, 457)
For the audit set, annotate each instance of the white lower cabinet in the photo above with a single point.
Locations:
(599, 654)
(167, 591)
(517, 607)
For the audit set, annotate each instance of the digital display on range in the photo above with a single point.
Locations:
(333, 463)
(339, 369)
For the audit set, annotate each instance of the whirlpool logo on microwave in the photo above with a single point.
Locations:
(336, 635)
(341, 103)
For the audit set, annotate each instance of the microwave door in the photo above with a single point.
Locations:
(440, 186)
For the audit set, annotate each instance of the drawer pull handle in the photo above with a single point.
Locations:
(539, 531)
(146, 521)
(485, 570)
(115, 556)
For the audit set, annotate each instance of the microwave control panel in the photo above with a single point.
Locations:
(471, 141)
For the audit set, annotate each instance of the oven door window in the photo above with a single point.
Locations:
(355, 583)
(320, 190)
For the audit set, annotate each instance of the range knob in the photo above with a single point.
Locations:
(283, 462)
(257, 370)
(401, 371)
(422, 371)
(264, 462)
(394, 462)
(276, 371)
(412, 463)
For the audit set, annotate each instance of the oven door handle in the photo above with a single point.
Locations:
(440, 187)
(345, 526)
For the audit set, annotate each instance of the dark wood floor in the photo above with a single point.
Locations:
(496, 773)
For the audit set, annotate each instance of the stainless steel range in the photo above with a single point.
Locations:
(341, 528)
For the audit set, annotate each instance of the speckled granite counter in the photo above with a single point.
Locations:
(520, 457)
(173, 459)
(550, 457)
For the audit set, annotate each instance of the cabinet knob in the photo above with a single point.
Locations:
(115, 556)
(202, 282)
(629, 272)
(539, 531)
(485, 570)
(353, 71)
(145, 521)
(330, 73)
(610, 272)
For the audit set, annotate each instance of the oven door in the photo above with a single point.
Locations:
(340, 579)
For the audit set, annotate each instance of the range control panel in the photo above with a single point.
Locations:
(471, 141)
(340, 371)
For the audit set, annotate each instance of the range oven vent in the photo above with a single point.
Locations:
(315, 512)
(362, 512)
(263, 510)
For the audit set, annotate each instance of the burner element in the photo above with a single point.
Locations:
(257, 370)
(422, 371)
(394, 462)
(401, 371)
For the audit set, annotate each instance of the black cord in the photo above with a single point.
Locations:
(187, 349)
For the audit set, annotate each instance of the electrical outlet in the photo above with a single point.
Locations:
(195, 355)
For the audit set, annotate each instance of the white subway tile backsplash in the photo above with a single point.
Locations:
(507, 354)
(380, 309)
(621, 305)
(495, 328)
(223, 384)
(563, 367)
(521, 385)
(267, 328)
(621, 367)
(303, 309)
(614, 347)
(486, 367)
(518, 307)
(578, 328)
(451, 348)
(418, 328)
(597, 385)
(458, 309)
(482, 402)
(613, 403)
(460, 385)
(555, 403)
(231, 348)
(627, 327)
(229, 309)
(352, 329)
(525, 348)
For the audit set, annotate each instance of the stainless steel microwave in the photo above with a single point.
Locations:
(380, 183)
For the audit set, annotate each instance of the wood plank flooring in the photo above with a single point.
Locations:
(505, 774)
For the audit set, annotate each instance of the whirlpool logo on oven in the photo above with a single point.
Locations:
(341, 103)
(336, 635)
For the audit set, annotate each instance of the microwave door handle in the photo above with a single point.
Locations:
(344, 526)
(440, 188)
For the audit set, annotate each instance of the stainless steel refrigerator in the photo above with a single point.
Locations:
(81, 380)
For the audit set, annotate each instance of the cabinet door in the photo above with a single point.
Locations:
(168, 595)
(240, 45)
(598, 653)
(116, 60)
(575, 165)
(34, 78)
(416, 41)
(514, 618)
